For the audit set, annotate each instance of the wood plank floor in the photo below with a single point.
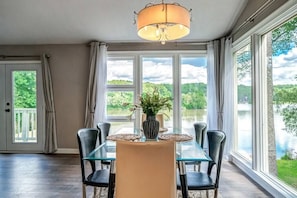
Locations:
(58, 176)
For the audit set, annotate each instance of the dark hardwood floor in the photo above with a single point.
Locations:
(58, 176)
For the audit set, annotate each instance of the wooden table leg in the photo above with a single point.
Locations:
(183, 178)
(111, 185)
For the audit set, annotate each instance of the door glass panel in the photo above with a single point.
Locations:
(24, 106)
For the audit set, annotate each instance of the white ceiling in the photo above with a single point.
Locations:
(111, 21)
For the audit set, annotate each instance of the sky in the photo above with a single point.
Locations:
(159, 70)
(285, 68)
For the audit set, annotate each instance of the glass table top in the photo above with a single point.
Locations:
(185, 150)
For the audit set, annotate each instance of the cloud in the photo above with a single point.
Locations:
(158, 70)
(285, 68)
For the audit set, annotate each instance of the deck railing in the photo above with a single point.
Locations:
(25, 125)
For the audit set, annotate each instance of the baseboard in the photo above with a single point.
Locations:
(67, 151)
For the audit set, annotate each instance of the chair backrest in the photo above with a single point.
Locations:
(145, 169)
(87, 140)
(200, 131)
(104, 127)
(216, 143)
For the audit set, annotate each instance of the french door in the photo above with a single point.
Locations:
(21, 107)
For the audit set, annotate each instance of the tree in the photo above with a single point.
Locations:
(284, 38)
(286, 100)
(25, 89)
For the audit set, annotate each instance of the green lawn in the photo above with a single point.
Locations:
(287, 171)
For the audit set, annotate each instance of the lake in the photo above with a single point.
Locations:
(284, 141)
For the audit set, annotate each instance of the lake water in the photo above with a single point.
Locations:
(284, 140)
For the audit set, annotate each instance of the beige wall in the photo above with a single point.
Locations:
(69, 67)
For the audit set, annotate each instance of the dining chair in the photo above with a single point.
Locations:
(91, 176)
(104, 127)
(207, 180)
(200, 132)
(145, 169)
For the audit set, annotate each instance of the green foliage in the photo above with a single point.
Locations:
(286, 100)
(243, 61)
(24, 89)
(120, 82)
(244, 94)
(152, 102)
(287, 171)
(194, 96)
(284, 38)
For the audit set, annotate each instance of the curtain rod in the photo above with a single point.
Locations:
(253, 16)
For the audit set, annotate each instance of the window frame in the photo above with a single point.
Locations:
(259, 162)
(138, 74)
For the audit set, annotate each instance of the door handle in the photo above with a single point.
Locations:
(7, 110)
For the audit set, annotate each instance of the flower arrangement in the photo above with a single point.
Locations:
(152, 103)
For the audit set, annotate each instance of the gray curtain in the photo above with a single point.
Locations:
(216, 78)
(50, 145)
(96, 63)
(220, 106)
(228, 125)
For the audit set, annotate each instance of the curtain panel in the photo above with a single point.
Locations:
(50, 145)
(95, 100)
(220, 90)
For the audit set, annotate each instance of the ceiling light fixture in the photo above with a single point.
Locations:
(163, 22)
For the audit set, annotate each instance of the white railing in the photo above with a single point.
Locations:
(25, 125)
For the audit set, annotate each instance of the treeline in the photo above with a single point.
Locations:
(193, 94)
(244, 93)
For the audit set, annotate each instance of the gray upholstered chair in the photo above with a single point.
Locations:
(205, 180)
(145, 169)
(104, 127)
(200, 132)
(87, 140)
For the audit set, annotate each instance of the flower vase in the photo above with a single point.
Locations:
(150, 127)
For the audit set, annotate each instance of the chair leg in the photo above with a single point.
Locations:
(207, 194)
(95, 192)
(84, 191)
(215, 193)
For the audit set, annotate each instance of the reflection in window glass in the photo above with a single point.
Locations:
(244, 102)
(281, 56)
(193, 91)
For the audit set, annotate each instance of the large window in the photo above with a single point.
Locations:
(280, 47)
(244, 101)
(266, 129)
(179, 75)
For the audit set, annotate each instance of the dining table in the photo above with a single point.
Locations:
(187, 149)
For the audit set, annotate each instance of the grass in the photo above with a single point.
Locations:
(287, 171)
